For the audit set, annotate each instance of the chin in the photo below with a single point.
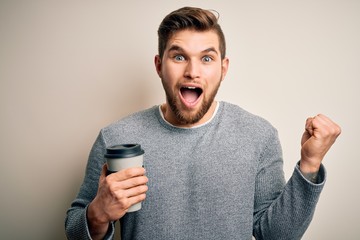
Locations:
(186, 116)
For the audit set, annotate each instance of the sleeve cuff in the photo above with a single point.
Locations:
(321, 177)
(109, 234)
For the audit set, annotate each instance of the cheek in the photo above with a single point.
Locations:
(213, 75)
(171, 73)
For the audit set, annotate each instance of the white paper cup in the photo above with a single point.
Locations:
(124, 156)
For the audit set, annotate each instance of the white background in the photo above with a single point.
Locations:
(69, 68)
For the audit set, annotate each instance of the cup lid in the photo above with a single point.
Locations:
(124, 151)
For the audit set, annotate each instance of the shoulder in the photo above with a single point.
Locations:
(234, 113)
(133, 122)
(236, 117)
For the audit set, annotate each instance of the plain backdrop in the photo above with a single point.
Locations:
(69, 68)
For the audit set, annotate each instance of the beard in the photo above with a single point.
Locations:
(189, 117)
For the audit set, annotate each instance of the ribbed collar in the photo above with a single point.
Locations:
(194, 127)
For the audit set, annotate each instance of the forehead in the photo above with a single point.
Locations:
(194, 41)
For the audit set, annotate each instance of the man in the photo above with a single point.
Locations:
(213, 170)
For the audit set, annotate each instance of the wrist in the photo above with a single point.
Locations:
(98, 225)
(309, 171)
(307, 168)
(309, 164)
(94, 214)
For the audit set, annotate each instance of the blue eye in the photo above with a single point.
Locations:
(179, 58)
(207, 59)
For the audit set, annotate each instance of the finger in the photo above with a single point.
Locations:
(135, 191)
(136, 199)
(327, 125)
(321, 119)
(127, 174)
(324, 120)
(126, 203)
(309, 125)
(321, 126)
(315, 122)
(132, 182)
(127, 198)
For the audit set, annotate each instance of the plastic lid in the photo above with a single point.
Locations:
(124, 151)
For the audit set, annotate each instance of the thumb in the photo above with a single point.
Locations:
(103, 172)
(309, 130)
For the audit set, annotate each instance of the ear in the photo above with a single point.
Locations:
(224, 67)
(158, 64)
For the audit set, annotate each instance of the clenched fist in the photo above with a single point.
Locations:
(320, 134)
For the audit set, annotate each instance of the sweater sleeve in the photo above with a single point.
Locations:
(283, 211)
(76, 226)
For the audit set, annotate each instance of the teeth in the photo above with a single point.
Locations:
(190, 87)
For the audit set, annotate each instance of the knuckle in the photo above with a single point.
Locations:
(108, 180)
(140, 180)
(338, 129)
(124, 203)
(142, 189)
(131, 172)
(128, 173)
(143, 179)
(139, 198)
(335, 131)
(112, 189)
(142, 197)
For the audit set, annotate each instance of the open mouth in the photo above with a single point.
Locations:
(191, 94)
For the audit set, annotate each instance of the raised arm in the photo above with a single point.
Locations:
(283, 212)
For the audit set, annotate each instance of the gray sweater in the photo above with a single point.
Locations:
(222, 180)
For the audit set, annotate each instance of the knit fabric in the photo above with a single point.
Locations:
(223, 180)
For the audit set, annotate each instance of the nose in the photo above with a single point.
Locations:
(192, 70)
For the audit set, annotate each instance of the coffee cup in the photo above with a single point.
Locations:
(124, 156)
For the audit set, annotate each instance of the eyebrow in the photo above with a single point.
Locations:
(180, 49)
